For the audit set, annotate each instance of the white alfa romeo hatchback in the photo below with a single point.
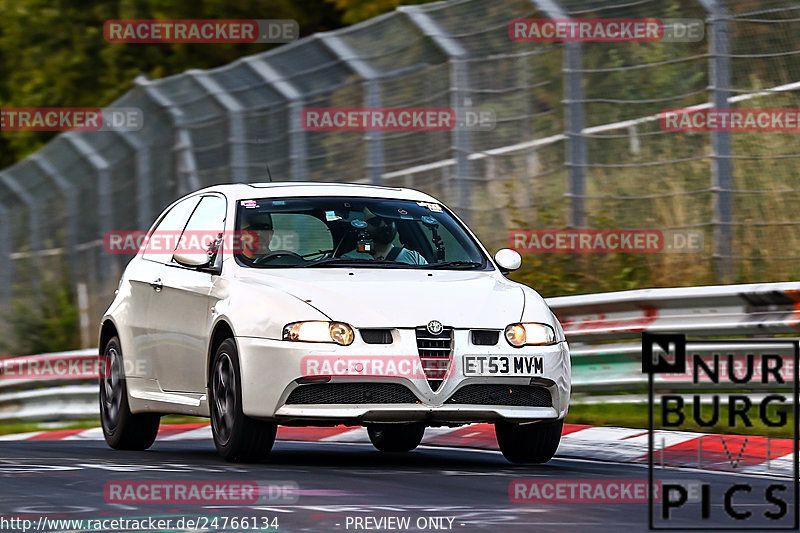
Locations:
(319, 304)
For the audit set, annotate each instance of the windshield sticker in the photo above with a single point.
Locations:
(433, 207)
(250, 204)
(331, 216)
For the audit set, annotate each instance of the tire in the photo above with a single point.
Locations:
(122, 429)
(237, 437)
(529, 443)
(396, 437)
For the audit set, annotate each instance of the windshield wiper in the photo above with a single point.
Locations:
(450, 264)
(348, 261)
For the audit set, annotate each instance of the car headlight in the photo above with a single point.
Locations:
(529, 334)
(319, 331)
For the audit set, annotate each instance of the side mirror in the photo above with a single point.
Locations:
(508, 260)
(191, 260)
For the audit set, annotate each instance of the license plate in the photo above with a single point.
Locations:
(503, 365)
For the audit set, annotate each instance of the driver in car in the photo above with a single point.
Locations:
(383, 231)
(259, 224)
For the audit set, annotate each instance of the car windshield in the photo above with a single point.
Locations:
(353, 232)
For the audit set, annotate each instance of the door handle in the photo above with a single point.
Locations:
(157, 285)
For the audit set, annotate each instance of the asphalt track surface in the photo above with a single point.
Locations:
(339, 483)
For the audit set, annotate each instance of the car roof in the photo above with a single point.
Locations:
(285, 189)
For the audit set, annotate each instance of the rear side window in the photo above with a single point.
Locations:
(168, 229)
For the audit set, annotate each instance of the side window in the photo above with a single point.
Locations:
(163, 239)
(207, 221)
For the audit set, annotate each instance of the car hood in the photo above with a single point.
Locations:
(394, 298)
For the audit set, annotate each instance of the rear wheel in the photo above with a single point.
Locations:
(396, 437)
(237, 437)
(528, 443)
(122, 429)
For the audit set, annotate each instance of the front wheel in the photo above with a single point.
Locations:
(122, 429)
(237, 437)
(396, 437)
(528, 443)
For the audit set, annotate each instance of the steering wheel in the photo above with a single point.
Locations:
(280, 253)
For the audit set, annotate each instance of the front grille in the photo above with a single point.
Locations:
(485, 337)
(513, 395)
(377, 336)
(351, 393)
(434, 353)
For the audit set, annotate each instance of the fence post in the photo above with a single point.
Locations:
(234, 110)
(298, 154)
(70, 206)
(144, 201)
(33, 222)
(576, 156)
(188, 179)
(83, 316)
(372, 98)
(104, 200)
(722, 171)
(459, 98)
(7, 272)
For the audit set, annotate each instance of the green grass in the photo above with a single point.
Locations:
(14, 426)
(19, 426)
(636, 416)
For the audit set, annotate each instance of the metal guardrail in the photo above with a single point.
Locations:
(591, 322)
(604, 330)
(746, 310)
(47, 398)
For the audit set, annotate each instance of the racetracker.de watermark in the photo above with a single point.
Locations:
(74, 366)
(606, 30)
(579, 491)
(731, 120)
(189, 242)
(259, 522)
(200, 492)
(605, 241)
(71, 119)
(397, 119)
(392, 366)
(201, 31)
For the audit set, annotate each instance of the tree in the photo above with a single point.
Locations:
(53, 54)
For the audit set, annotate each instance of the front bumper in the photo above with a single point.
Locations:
(270, 371)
